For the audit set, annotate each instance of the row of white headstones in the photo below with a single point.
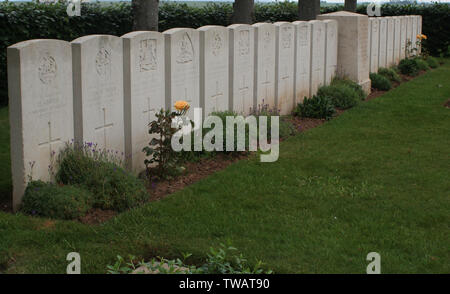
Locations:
(104, 89)
(389, 38)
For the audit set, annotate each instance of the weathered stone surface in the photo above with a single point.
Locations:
(390, 41)
(374, 43)
(382, 48)
(182, 49)
(353, 46)
(331, 41)
(144, 91)
(397, 40)
(214, 68)
(265, 47)
(98, 91)
(242, 67)
(285, 36)
(40, 108)
(317, 55)
(403, 38)
(302, 60)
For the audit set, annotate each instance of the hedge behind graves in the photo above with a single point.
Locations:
(31, 20)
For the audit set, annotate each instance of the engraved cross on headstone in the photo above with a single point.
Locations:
(104, 127)
(149, 110)
(216, 96)
(266, 83)
(243, 89)
(50, 140)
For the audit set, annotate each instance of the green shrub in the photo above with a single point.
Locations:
(421, 64)
(432, 62)
(55, 201)
(315, 107)
(341, 95)
(357, 88)
(408, 67)
(111, 186)
(380, 82)
(390, 74)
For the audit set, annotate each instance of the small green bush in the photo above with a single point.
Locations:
(315, 107)
(54, 201)
(432, 62)
(342, 96)
(421, 64)
(112, 186)
(357, 88)
(380, 82)
(408, 67)
(390, 74)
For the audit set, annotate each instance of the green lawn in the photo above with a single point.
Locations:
(374, 179)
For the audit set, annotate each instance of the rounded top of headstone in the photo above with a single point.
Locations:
(37, 42)
(262, 24)
(300, 22)
(135, 34)
(239, 25)
(283, 23)
(211, 27)
(93, 37)
(178, 30)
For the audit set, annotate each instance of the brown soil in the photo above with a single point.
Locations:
(196, 171)
(447, 104)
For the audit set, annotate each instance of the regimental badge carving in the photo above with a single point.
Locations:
(103, 62)
(186, 50)
(286, 37)
(375, 26)
(147, 55)
(266, 39)
(244, 42)
(217, 43)
(47, 69)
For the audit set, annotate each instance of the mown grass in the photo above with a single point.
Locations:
(373, 179)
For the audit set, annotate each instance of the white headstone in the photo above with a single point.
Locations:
(331, 27)
(302, 60)
(403, 38)
(409, 35)
(265, 47)
(182, 48)
(382, 49)
(317, 55)
(397, 42)
(242, 67)
(390, 42)
(98, 91)
(419, 29)
(285, 35)
(374, 43)
(353, 46)
(214, 74)
(40, 108)
(414, 33)
(144, 91)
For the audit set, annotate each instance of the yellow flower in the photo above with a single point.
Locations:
(419, 37)
(424, 37)
(181, 105)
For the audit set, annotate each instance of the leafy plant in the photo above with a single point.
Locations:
(55, 201)
(315, 107)
(390, 74)
(353, 85)
(380, 82)
(160, 149)
(224, 260)
(100, 172)
(408, 67)
(421, 64)
(341, 95)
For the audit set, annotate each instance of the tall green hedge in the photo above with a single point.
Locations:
(31, 20)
